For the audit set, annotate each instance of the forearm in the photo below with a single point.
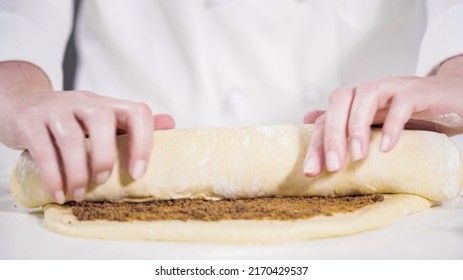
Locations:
(20, 77)
(452, 66)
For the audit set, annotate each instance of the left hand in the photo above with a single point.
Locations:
(428, 103)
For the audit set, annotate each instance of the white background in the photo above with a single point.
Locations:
(317, 270)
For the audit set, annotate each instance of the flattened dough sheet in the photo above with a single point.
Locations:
(61, 220)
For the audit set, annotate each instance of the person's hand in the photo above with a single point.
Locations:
(430, 103)
(53, 126)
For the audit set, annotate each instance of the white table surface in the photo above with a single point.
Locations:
(433, 234)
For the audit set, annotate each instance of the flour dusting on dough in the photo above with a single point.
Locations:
(25, 164)
(449, 165)
(203, 161)
(266, 130)
(224, 187)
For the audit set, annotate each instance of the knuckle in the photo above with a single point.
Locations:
(85, 93)
(76, 172)
(74, 182)
(315, 144)
(48, 171)
(72, 137)
(384, 101)
(331, 137)
(356, 129)
(361, 106)
(24, 116)
(338, 95)
(76, 179)
(40, 156)
(366, 88)
(141, 108)
(394, 122)
(52, 182)
(402, 99)
(100, 115)
(30, 135)
(106, 116)
(392, 128)
(52, 185)
(320, 121)
(106, 163)
(331, 140)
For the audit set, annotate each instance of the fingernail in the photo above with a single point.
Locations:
(385, 141)
(79, 194)
(139, 169)
(310, 166)
(59, 197)
(102, 177)
(356, 149)
(332, 161)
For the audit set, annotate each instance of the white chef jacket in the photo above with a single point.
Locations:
(232, 62)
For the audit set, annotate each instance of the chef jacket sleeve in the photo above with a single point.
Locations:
(443, 37)
(36, 31)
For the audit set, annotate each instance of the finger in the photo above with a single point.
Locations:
(41, 148)
(101, 127)
(335, 136)
(399, 113)
(367, 108)
(69, 137)
(163, 121)
(380, 116)
(362, 114)
(137, 120)
(312, 116)
(314, 161)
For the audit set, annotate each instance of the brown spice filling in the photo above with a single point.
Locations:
(268, 208)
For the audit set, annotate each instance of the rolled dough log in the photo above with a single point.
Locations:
(214, 163)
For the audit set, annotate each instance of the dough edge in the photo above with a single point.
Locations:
(59, 219)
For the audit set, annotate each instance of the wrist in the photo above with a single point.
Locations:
(20, 77)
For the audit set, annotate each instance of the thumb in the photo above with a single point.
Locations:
(311, 116)
(163, 121)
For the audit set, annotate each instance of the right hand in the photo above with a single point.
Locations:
(53, 126)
